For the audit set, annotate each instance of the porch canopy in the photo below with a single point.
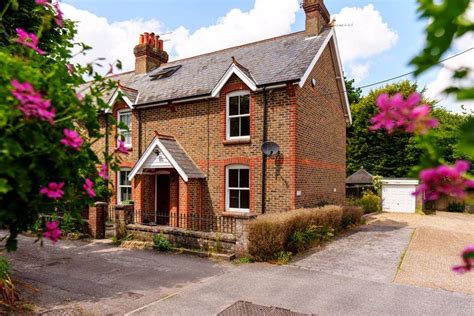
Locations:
(164, 152)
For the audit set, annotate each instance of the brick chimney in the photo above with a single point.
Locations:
(317, 16)
(149, 53)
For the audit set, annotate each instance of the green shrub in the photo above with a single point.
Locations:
(351, 215)
(455, 207)
(283, 257)
(370, 202)
(271, 234)
(161, 243)
(67, 223)
(5, 268)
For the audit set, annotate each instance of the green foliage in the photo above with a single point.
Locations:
(447, 21)
(305, 239)
(455, 207)
(370, 202)
(283, 257)
(161, 243)
(377, 184)
(5, 268)
(67, 224)
(244, 260)
(31, 154)
(354, 94)
(395, 155)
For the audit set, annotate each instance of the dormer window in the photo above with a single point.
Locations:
(238, 115)
(125, 118)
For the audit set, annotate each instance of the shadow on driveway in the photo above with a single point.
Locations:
(98, 277)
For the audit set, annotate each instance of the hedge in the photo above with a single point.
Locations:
(297, 230)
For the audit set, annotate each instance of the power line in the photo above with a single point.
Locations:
(412, 72)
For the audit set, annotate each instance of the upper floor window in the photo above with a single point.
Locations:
(237, 188)
(124, 187)
(238, 115)
(125, 117)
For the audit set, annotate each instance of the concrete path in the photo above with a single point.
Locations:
(96, 277)
(309, 291)
(371, 252)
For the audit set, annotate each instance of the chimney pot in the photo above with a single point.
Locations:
(149, 53)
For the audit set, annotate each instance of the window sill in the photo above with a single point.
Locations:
(238, 141)
(238, 214)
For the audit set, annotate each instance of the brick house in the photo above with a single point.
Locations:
(196, 125)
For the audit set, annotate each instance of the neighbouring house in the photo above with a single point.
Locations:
(196, 126)
(359, 182)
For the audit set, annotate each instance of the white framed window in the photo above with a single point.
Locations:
(124, 187)
(237, 188)
(238, 115)
(125, 117)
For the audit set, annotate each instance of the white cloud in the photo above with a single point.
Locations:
(267, 19)
(444, 77)
(368, 36)
(359, 71)
(116, 40)
(109, 40)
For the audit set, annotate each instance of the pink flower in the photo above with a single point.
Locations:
(468, 258)
(29, 40)
(72, 139)
(42, 2)
(80, 96)
(70, 69)
(52, 231)
(121, 148)
(53, 190)
(31, 102)
(89, 187)
(59, 14)
(445, 180)
(103, 172)
(397, 113)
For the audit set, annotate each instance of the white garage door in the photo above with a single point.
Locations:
(398, 198)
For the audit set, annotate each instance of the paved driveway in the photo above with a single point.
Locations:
(97, 277)
(371, 252)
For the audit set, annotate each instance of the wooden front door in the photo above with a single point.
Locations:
(162, 198)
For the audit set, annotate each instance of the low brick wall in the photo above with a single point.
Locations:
(179, 237)
(204, 241)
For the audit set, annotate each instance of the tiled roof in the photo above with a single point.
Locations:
(182, 159)
(274, 60)
(361, 176)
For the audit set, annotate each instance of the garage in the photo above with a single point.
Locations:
(397, 195)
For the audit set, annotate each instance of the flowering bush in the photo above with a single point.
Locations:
(46, 125)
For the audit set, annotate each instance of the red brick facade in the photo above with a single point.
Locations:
(308, 124)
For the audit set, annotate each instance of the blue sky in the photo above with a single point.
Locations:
(188, 16)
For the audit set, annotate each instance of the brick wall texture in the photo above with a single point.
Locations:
(308, 124)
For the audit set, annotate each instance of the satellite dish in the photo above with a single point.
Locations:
(270, 149)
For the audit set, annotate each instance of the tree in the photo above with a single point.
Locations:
(396, 155)
(354, 93)
(46, 127)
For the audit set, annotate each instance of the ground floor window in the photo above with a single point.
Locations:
(124, 188)
(237, 188)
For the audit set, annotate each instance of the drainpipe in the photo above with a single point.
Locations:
(107, 148)
(264, 157)
(139, 133)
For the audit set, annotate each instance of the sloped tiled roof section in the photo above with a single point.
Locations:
(361, 176)
(275, 60)
(182, 159)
